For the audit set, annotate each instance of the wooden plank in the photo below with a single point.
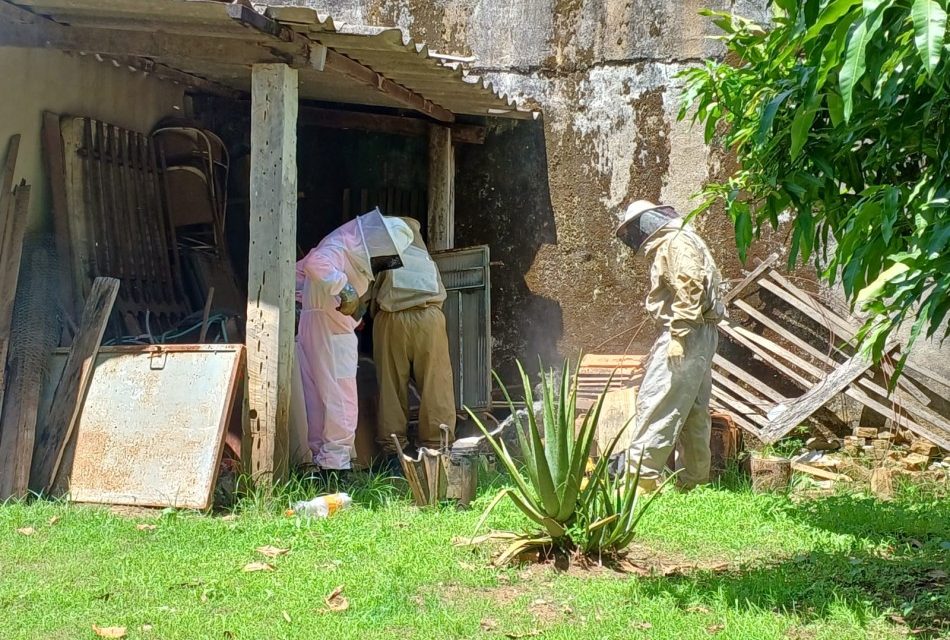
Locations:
(753, 276)
(841, 327)
(55, 165)
(737, 417)
(59, 424)
(766, 357)
(271, 274)
(819, 473)
(747, 378)
(758, 404)
(865, 382)
(616, 415)
(12, 227)
(385, 123)
(802, 408)
(739, 409)
(441, 226)
(19, 410)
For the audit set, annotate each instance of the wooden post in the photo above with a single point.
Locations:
(271, 276)
(441, 189)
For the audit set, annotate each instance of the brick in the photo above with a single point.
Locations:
(925, 448)
(865, 432)
(916, 462)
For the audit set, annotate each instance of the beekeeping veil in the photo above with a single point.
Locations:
(383, 239)
(641, 220)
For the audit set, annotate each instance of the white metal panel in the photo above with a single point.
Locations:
(152, 426)
(467, 308)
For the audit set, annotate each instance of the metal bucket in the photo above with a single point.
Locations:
(436, 476)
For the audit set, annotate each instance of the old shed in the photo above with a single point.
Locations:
(100, 92)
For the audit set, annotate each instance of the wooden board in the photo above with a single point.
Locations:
(618, 411)
(441, 189)
(151, 431)
(12, 228)
(59, 424)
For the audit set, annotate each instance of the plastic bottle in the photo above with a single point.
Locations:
(323, 506)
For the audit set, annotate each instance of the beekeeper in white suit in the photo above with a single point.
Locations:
(684, 300)
(332, 278)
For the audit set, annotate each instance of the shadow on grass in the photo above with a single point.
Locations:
(898, 565)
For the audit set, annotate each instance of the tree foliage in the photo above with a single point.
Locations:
(838, 115)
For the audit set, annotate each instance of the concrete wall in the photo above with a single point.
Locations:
(36, 80)
(547, 195)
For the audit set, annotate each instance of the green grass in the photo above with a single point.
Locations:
(845, 566)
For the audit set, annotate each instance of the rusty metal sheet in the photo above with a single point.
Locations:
(152, 426)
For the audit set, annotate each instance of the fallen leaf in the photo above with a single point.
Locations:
(53, 520)
(488, 624)
(146, 627)
(109, 632)
(527, 634)
(917, 544)
(641, 625)
(146, 527)
(271, 552)
(286, 616)
(26, 531)
(289, 512)
(713, 629)
(258, 566)
(698, 608)
(336, 601)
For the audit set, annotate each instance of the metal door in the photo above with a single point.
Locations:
(465, 274)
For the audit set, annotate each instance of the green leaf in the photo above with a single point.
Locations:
(768, 115)
(832, 14)
(930, 26)
(855, 59)
(835, 108)
(801, 125)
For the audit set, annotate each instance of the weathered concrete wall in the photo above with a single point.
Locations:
(36, 80)
(546, 196)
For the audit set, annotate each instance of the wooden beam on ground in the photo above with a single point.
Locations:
(271, 275)
(441, 189)
(802, 408)
(12, 228)
(60, 423)
(385, 123)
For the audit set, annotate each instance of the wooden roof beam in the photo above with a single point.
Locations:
(336, 62)
(385, 123)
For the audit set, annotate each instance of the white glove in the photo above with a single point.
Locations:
(674, 351)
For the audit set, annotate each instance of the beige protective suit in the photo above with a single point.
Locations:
(409, 336)
(673, 402)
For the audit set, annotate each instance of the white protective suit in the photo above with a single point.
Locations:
(326, 342)
(673, 401)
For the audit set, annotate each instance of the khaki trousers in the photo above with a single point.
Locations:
(673, 407)
(413, 340)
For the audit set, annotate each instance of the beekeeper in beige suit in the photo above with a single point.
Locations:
(684, 300)
(409, 335)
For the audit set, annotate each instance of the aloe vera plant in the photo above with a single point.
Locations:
(549, 484)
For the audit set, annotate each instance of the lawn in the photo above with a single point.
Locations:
(725, 563)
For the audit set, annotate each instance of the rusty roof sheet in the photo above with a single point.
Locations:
(386, 51)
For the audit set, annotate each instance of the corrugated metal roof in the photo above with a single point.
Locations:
(208, 39)
(396, 55)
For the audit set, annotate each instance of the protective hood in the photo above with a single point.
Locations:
(383, 241)
(642, 220)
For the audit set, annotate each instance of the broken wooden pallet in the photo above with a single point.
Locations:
(606, 372)
(791, 354)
